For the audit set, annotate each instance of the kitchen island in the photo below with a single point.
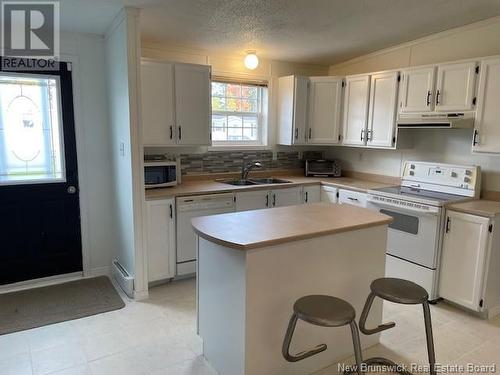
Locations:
(253, 266)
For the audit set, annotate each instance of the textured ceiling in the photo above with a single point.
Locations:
(313, 31)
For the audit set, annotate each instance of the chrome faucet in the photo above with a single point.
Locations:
(246, 168)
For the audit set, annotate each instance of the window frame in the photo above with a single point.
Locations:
(63, 177)
(261, 114)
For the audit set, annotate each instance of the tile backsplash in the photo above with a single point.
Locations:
(231, 161)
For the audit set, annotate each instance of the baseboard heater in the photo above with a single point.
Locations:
(123, 278)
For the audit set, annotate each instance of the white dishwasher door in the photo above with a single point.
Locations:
(191, 207)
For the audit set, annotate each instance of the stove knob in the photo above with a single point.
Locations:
(468, 172)
(412, 166)
(466, 179)
(412, 173)
(453, 174)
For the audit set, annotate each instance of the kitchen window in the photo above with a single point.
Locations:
(239, 113)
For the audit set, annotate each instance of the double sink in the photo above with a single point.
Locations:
(254, 181)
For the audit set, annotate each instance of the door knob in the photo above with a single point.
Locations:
(71, 190)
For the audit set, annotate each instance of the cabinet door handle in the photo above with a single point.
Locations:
(171, 132)
(447, 224)
(369, 135)
(353, 199)
(180, 133)
(474, 139)
(362, 135)
(429, 93)
(296, 133)
(307, 196)
(274, 200)
(171, 212)
(438, 94)
(267, 200)
(310, 133)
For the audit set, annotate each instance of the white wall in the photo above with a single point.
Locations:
(232, 66)
(122, 55)
(93, 152)
(453, 146)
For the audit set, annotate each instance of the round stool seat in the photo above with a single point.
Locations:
(399, 291)
(324, 311)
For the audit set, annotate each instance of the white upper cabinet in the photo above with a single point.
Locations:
(455, 87)
(356, 100)
(383, 109)
(487, 125)
(292, 109)
(157, 97)
(418, 88)
(325, 101)
(192, 104)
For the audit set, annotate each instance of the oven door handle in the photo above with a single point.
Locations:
(403, 208)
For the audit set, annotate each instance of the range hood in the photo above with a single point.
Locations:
(436, 121)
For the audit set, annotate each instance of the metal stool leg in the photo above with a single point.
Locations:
(429, 337)
(285, 350)
(364, 316)
(357, 346)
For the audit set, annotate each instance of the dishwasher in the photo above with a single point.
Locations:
(188, 208)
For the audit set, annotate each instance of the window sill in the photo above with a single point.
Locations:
(240, 148)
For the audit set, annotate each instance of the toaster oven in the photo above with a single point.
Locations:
(323, 168)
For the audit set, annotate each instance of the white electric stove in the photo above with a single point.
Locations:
(417, 206)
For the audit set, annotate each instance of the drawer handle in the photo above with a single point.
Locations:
(353, 199)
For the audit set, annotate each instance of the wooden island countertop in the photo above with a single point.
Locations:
(268, 227)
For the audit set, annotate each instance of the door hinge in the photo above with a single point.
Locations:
(477, 69)
(399, 77)
(393, 140)
(474, 100)
(490, 228)
(448, 224)
(340, 137)
(234, 199)
(343, 83)
(481, 303)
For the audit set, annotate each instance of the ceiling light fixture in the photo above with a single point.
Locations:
(251, 60)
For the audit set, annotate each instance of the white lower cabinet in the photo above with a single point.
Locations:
(286, 196)
(329, 194)
(465, 261)
(258, 199)
(311, 194)
(252, 200)
(354, 198)
(161, 239)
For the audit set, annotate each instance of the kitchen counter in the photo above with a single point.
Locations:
(259, 228)
(209, 186)
(477, 207)
(253, 266)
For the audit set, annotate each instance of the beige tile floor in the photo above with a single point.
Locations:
(157, 337)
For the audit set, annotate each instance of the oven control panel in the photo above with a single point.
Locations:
(447, 178)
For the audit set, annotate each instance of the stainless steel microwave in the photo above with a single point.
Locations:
(323, 168)
(160, 174)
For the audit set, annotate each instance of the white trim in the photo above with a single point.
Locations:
(99, 271)
(37, 283)
(82, 166)
(440, 35)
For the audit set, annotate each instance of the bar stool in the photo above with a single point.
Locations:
(324, 311)
(402, 292)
